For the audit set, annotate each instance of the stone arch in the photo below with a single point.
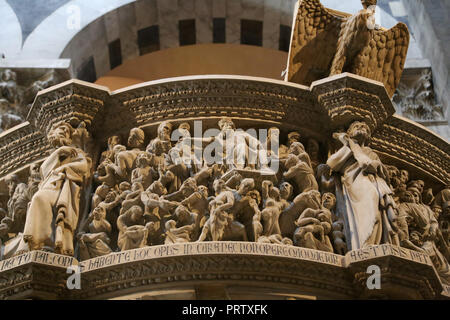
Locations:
(139, 27)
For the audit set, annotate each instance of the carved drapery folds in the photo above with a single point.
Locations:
(154, 184)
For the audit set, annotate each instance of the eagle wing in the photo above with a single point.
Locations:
(384, 57)
(313, 42)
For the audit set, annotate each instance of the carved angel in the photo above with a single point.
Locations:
(326, 42)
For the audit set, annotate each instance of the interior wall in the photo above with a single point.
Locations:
(198, 59)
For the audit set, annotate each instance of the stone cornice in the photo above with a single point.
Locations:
(288, 268)
(328, 104)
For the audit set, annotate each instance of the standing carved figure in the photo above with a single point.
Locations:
(369, 206)
(53, 214)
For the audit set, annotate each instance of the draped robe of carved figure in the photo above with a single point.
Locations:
(63, 174)
(422, 229)
(367, 196)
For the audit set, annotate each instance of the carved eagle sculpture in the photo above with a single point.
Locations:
(326, 42)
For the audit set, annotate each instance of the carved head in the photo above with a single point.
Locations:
(312, 198)
(291, 161)
(35, 170)
(60, 134)
(124, 186)
(416, 194)
(171, 224)
(136, 213)
(99, 212)
(218, 186)
(407, 197)
(254, 194)
(296, 148)
(246, 185)
(203, 191)
(286, 190)
(102, 190)
(143, 160)
(417, 184)
(393, 171)
(137, 186)
(136, 138)
(404, 176)
(184, 129)
(164, 131)
(182, 213)
(12, 181)
(158, 188)
(368, 3)
(416, 238)
(110, 196)
(359, 131)
(328, 200)
(112, 141)
(226, 124)
(293, 136)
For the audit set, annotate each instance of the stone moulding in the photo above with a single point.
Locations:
(283, 268)
(316, 111)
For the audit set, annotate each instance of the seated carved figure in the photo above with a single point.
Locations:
(133, 198)
(133, 231)
(314, 225)
(420, 231)
(181, 229)
(95, 243)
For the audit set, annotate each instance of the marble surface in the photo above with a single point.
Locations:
(168, 23)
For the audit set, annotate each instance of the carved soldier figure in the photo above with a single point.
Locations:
(64, 174)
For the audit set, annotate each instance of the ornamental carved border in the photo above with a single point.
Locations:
(21, 146)
(66, 101)
(243, 97)
(402, 139)
(103, 282)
